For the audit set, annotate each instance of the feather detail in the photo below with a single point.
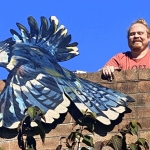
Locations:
(43, 27)
(16, 36)
(34, 30)
(52, 38)
(24, 33)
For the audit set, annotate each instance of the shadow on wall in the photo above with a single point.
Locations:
(100, 128)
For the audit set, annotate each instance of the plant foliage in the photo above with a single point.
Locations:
(118, 142)
(76, 137)
(32, 114)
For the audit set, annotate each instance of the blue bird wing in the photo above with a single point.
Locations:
(25, 88)
(52, 92)
(36, 78)
(105, 102)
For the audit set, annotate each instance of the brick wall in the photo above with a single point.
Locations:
(135, 83)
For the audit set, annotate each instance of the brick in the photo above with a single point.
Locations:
(119, 76)
(13, 145)
(103, 130)
(143, 86)
(94, 77)
(144, 74)
(115, 128)
(143, 99)
(103, 138)
(5, 145)
(127, 87)
(145, 122)
(61, 130)
(49, 144)
(145, 134)
(109, 85)
(131, 75)
(52, 143)
(135, 83)
(131, 114)
(124, 122)
(107, 148)
(68, 118)
(143, 112)
(134, 97)
(131, 138)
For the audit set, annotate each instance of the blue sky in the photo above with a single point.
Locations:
(99, 26)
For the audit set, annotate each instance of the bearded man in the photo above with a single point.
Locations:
(139, 55)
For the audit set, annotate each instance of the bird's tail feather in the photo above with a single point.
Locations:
(105, 102)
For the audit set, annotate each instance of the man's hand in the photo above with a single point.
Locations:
(108, 71)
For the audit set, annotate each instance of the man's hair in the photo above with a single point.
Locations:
(141, 21)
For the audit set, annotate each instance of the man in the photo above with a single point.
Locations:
(139, 57)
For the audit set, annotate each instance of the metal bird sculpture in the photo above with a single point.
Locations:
(36, 79)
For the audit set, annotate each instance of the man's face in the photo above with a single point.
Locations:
(137, 38)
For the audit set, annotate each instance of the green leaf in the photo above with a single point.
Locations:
(32, 112)
(133, 146)
(1, 148)
(84, 111)
(78, 134)
(143, 142)
(88, 140)
(41, 130)
(117, 142)
(134, 130)
(134, 124)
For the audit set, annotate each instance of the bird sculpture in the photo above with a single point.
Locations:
(36, 79)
